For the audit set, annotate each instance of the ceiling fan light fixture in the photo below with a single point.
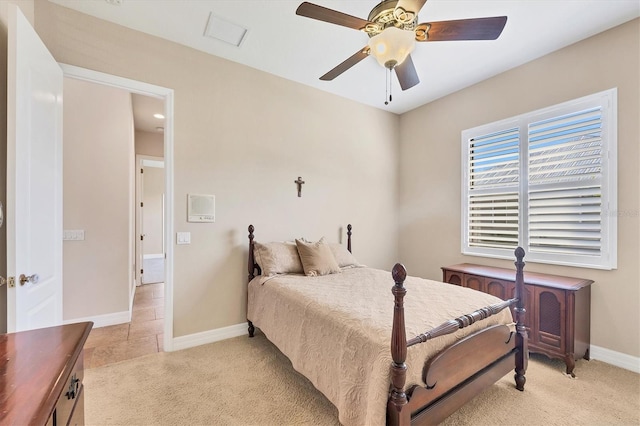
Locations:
(422, 32)
(402, 16)
(392, 46)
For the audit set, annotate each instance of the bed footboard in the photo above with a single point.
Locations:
(461, 371)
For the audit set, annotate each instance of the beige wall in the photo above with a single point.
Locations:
(245, 136)
(98, 170)
(430, 155)
(27, 8)
(149, 143)
(152, 197)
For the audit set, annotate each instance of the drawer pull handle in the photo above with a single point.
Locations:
(73, 388)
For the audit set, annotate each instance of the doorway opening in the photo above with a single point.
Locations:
(141, 90)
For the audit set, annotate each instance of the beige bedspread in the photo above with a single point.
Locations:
(336, 330)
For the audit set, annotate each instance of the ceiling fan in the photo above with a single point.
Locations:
(393, 29)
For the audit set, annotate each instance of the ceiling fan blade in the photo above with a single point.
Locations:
(320, 13)
(348, 63)
(406, 73)
(411, 5)
(464, 29)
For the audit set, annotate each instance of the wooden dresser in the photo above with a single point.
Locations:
(558, 317)
(41, 374)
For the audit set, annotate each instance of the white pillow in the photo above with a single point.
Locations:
(343, 256)
(277, 258)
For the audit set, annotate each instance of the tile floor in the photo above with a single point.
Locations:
(142, 336)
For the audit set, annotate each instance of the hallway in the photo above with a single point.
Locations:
(142, 336)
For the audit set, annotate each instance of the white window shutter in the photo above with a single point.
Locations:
(493, 170)
(546, 181)
(565, 192)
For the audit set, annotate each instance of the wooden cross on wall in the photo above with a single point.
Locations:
(299, 182)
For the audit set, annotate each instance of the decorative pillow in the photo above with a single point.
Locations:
(317, 258)
(277, 258)
(343, 257)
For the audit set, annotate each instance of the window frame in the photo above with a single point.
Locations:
(607, 101)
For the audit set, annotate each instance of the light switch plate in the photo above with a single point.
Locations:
(73, 235)
(183, 238)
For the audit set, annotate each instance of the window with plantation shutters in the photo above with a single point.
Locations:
(494, 164)
(545, 181)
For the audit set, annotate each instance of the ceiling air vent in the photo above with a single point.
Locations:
(223, 30)
(114, 2)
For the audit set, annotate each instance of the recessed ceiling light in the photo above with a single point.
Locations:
(158, 116)
(224, 30)
(160, 129)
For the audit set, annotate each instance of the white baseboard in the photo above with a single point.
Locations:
(197, 339)
(628, 362)
(153, 256)
(104, 320)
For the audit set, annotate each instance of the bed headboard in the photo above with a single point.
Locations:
(254, 268)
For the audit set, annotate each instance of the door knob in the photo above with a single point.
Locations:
(33, 279)
(3, 281)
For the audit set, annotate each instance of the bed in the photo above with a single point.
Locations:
(343, 332)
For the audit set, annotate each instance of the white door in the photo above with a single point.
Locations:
(34, 180)
(149, 217)
(139, 221)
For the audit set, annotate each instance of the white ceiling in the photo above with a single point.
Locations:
(301, 49)
(144, 107)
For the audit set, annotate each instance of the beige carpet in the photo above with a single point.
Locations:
(245, 381)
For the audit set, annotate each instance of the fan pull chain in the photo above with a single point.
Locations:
(388, 87)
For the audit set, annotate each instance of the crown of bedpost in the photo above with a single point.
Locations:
(399, 273)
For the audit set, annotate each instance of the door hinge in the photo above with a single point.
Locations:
(141, 271)
(141, 237)
(141, 204)
(141, 170)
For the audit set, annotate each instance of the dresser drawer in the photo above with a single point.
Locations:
(71, 393)
(38, 370)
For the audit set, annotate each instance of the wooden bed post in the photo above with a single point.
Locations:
(251, 267)
(349, 238)
(397, 396)
(522, 355)
(251, 263)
